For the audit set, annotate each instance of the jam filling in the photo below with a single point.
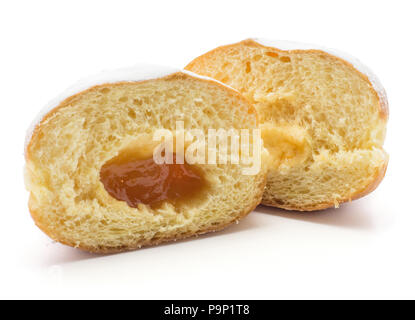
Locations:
(133, 180)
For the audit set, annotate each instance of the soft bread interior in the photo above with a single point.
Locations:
(72, 143)
(321, 120)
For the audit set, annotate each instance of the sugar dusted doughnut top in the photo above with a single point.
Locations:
(357, 64)
(139, 72)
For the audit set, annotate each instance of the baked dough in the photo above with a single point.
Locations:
(323, 118)
(99, 118)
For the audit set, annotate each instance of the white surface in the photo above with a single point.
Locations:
(362, 250)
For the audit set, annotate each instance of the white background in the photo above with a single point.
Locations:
(362, 250)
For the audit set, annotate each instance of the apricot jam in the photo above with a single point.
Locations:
(136, 181)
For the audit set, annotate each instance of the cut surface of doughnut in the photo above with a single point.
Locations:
(323, 119)
(91, 174)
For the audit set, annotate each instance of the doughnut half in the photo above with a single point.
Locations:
(101, 117)
(322, 114)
